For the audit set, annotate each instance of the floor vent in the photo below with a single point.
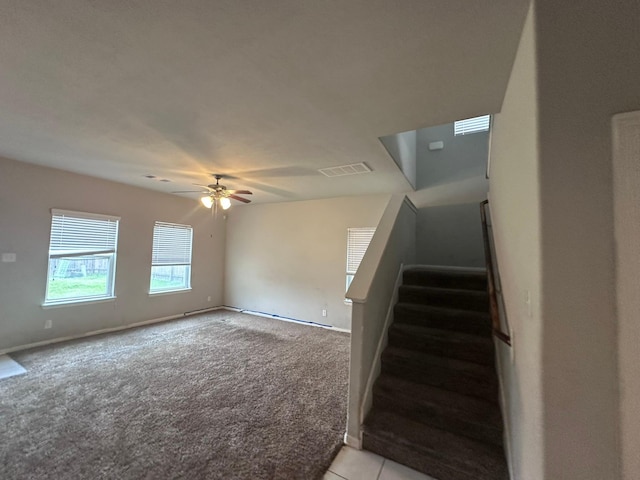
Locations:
(342, 170)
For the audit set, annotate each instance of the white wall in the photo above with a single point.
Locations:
(289, 259)
(515, 212)
(451, 184)
(27, 194)
(402, 148)
(463, 157)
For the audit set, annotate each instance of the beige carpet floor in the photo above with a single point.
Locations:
(217, 396)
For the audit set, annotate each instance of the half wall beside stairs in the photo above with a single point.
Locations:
(372, 293)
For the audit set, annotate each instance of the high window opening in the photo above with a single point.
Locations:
(171, 258)
(472, 125)
(82, 257)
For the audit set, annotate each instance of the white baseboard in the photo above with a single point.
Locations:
(353, 442)
(506, 435)
(164, 319)
(106, 330)
(285, 319)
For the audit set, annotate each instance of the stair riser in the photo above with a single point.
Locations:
(477, 353)
(462, 300)
(429, 464)
(457, 322)
(435, 404)
(437, 416)
(484, 387)
(444, 280)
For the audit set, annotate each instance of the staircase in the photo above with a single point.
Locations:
(435, 404)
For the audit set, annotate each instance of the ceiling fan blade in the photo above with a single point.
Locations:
(240, 199)
(191, 191)
(242, 192)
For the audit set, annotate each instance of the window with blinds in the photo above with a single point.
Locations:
(358, 240)
(171, 258)
(82, 257)
(472, 125)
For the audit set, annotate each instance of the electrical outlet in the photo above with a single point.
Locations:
(48, 323)
(209, 298)
(324, 312)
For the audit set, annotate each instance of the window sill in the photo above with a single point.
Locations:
(68, 303)
(169, 292)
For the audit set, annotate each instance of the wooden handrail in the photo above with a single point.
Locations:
(493, 299)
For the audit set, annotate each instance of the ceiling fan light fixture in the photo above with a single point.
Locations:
(207, 201)
(225, 203)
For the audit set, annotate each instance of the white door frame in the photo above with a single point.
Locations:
(626, 211)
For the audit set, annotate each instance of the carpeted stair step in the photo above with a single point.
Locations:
(441, 454)
(442, 278)
(451, 374)
(435, 341)
(466, 321)
(460, 414)
(445, 297)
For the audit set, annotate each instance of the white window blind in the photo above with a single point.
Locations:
(82, 254)
(358, 240)
(472, 125)
(171, 244)
(76, 233)
(171, 257)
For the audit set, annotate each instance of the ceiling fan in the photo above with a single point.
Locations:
(216, 193)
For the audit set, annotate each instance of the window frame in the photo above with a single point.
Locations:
(86, 251)
(155, 263)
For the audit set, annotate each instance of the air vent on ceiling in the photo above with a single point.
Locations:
(342, 170)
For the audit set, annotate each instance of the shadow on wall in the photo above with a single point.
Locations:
(469, 190)
(450, 235)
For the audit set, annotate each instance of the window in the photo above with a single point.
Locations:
(358, 240)
(171, 258)
(472, 125)
(82, 257)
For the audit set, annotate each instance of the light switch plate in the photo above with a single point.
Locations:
(8, 257)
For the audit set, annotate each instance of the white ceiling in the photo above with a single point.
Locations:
(267, 91)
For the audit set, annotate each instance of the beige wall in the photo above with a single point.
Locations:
(515, 211)
(588, 71)
(289, 259)
(27, 194)
(553, 216)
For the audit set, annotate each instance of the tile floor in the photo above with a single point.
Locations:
(9, 367)
(352, 464)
